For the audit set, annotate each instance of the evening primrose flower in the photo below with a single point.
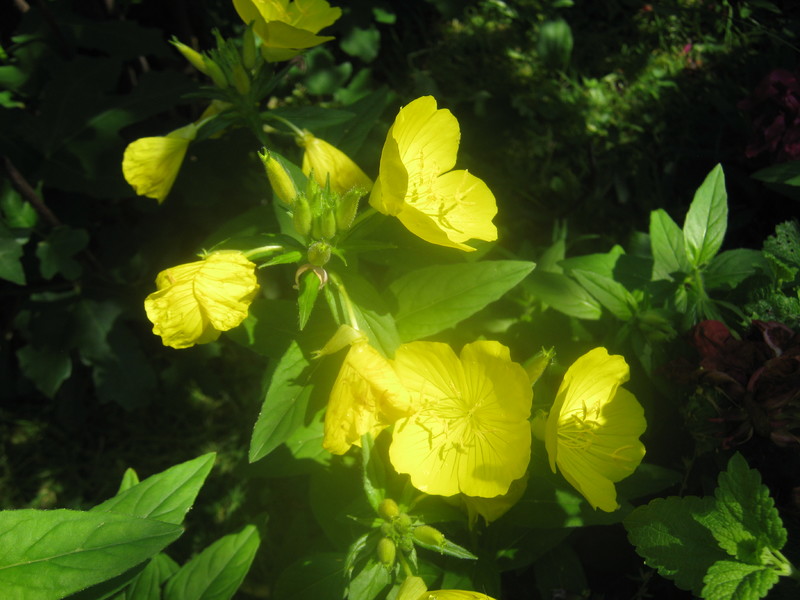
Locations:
(414, 588)
(592, 432)
(416, 184)
(286, 27)
(470, 433)
(150, 165)
(366, 397)
(325, 160)
(198, 300)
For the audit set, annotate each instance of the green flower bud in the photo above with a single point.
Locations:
(240, 79)
(403, 523)
(191, 55)
(216, 73)
(536, 365)
(319, 253)
(327, 225)
(346, 209)
(429, 535)
(301, 215)
(386, 528)
(387, 552)
(388, 509)
(249, 49)
(279, 178)
(405, 544)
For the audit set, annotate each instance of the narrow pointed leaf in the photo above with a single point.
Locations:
(707, 219)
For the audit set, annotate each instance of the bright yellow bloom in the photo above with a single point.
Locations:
(327, 160)
(416, 184)
(366, 397)
(150, 165)
(471, 432)
(198, 300)
(285, 27)
(593, 430)
(414, 588)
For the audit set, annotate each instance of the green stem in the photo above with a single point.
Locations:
(404, 563)
(262, 250)
(297, 131)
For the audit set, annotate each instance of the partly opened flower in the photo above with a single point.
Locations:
(150, 165)
(593, 430)
(471, 432)
(328, 161)
(286, 27)
(366, 397)
(198, 300)
(416, 184)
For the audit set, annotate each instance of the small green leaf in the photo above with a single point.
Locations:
(728, 269)
(449, 548)
(129, 479)
(309, 289)
(563, 294)
(599, 263)
(147, 585)
(166, 496)
(787, 173)
(46, 368)
(373, 473)
(10, 263)
(369, 582)
(432, 299)
(50, 554)
(56, 252)
(18, 213)
(611, 294)
(218, 571)
(667, 245)
(707, 219)
(285, 403)
(372, 313)
(729, 580)
(363, 43)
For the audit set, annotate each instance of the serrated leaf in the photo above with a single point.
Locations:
(563, 294)
(435, 298)
(166, 496)
(285, 403)
(728, 269)
(50, 554)
(667, 534)
(218, 571)
(611, 294)
(667, 246)
(729, 580)
(707, 219)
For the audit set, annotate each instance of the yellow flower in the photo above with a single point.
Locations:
(414, 588)
(471, 432)
(593, 430)
(150, 165)
(366, 397)
(286, 27)
(196, 301)
(327, 160)
(416, 184)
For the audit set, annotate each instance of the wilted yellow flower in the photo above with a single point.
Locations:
(327, 160)
(471, 432)
(150, 165)
(286, 27)
(366, 397)
(198, 300)
(592, 432)
(416, 184)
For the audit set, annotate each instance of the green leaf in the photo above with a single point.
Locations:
(269, 327)
(363, 43)
(166, 496)
(372, 313)
(563, 294)
(309, 288)
(56, 252)
(18, 213)
(218, 571)
(667, 245)
(667, 533)
(729, 580)
(611, 294)
(50, 554)
(46, 368)
(285, 403)
(314, 577)
(147, 585)
(373, 473)
(707, 219)
(728, 269)
(10, 255)
(560, 569)
(435, 298)
(787, 173)
(369, 582)
(129, 479)
(599, 263)
(449, 548)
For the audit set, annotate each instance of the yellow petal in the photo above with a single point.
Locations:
(328, 161)
(492, 509)
(427, 138)
(150, 165)
(366, 397)
(389, 197)
(313, 15)
(196, 301)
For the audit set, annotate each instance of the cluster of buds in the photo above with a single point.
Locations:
(318, 212)
(399, 531)
(752, 383)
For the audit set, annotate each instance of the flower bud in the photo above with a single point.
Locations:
(215, 72)
(387, 552)
(327, 222)
(240, 79)
(301, 215)
(249, 49)
(319, 253)
(403, 523)
(536, 365)
(279, 178)
(386, 528)
(388, 509)
(346, 208)
(191, 55)
(429, 535)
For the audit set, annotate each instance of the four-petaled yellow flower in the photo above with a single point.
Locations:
(592, 432)
(150, 165)
(470, 433)
(198, 300)
(286, 27)
(415, 182)
(366, 398)
(327, 160)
